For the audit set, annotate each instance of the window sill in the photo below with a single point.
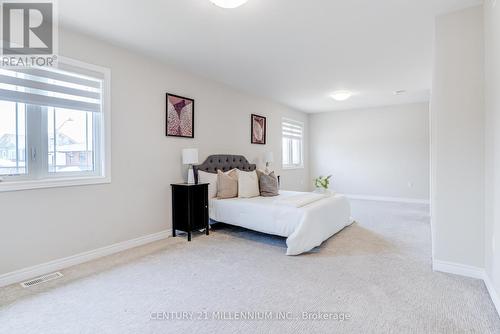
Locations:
(6, 186)
(292, 167)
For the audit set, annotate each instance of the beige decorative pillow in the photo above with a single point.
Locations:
(268, 184)
(227, 184)
(248, 184)
(211, 179)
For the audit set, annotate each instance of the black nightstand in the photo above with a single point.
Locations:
(189, 208)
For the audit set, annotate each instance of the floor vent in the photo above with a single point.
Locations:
(41, 279)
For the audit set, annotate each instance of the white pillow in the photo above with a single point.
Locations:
(211, 179)
(248, 184)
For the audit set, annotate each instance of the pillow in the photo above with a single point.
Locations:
(268, 184)
(227, 184)
(248, 184)
(211, 179)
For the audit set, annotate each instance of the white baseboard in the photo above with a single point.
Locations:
(495, 297)
(389, 199)
(472, 272)
(458, 269)
(44, 268)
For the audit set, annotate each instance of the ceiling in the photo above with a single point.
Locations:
(295, 52)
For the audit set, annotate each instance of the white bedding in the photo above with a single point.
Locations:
(305, 227)
(299, 200)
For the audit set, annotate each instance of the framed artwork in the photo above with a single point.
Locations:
(258, 129)
(180, 116)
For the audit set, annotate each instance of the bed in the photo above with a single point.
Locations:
(305, 219)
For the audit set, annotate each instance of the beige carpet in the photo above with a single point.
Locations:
(377, 272)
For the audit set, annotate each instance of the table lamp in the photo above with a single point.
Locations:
(269, 158)
(190, 157)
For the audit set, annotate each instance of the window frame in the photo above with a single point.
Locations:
(39, 178)
(292, 165)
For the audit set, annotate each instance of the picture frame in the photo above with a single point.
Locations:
(179, 116)
(258, 129)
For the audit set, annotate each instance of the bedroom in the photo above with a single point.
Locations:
(390, 153)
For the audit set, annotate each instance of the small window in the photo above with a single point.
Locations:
(292, 134)
(53, 126)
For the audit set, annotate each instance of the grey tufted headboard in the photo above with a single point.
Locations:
(224, 162)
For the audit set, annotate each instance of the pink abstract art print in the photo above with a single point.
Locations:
(258, 129)
(180, 116)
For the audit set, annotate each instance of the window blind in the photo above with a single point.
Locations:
(51, 87)
(292, 129)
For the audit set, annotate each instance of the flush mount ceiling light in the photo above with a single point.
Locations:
(228, 3)
(399, 92)
(341, 95)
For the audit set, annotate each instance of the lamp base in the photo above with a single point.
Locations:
(267, 170)
(191, 176)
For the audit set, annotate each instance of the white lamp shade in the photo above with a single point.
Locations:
(269, 157)
(190, 156)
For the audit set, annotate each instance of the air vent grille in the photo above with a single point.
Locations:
(41, 279)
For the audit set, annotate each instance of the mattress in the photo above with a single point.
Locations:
(304, 227)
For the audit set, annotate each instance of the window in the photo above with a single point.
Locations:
(70, 141)
(53, 126)
(292, 133)
(12, 138)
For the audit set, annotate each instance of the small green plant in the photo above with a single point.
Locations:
(322, 182)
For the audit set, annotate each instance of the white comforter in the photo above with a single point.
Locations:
(305, 220)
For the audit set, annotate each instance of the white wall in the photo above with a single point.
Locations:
(492, 57)
(43, 225)
(373, 152)
(457, 139)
